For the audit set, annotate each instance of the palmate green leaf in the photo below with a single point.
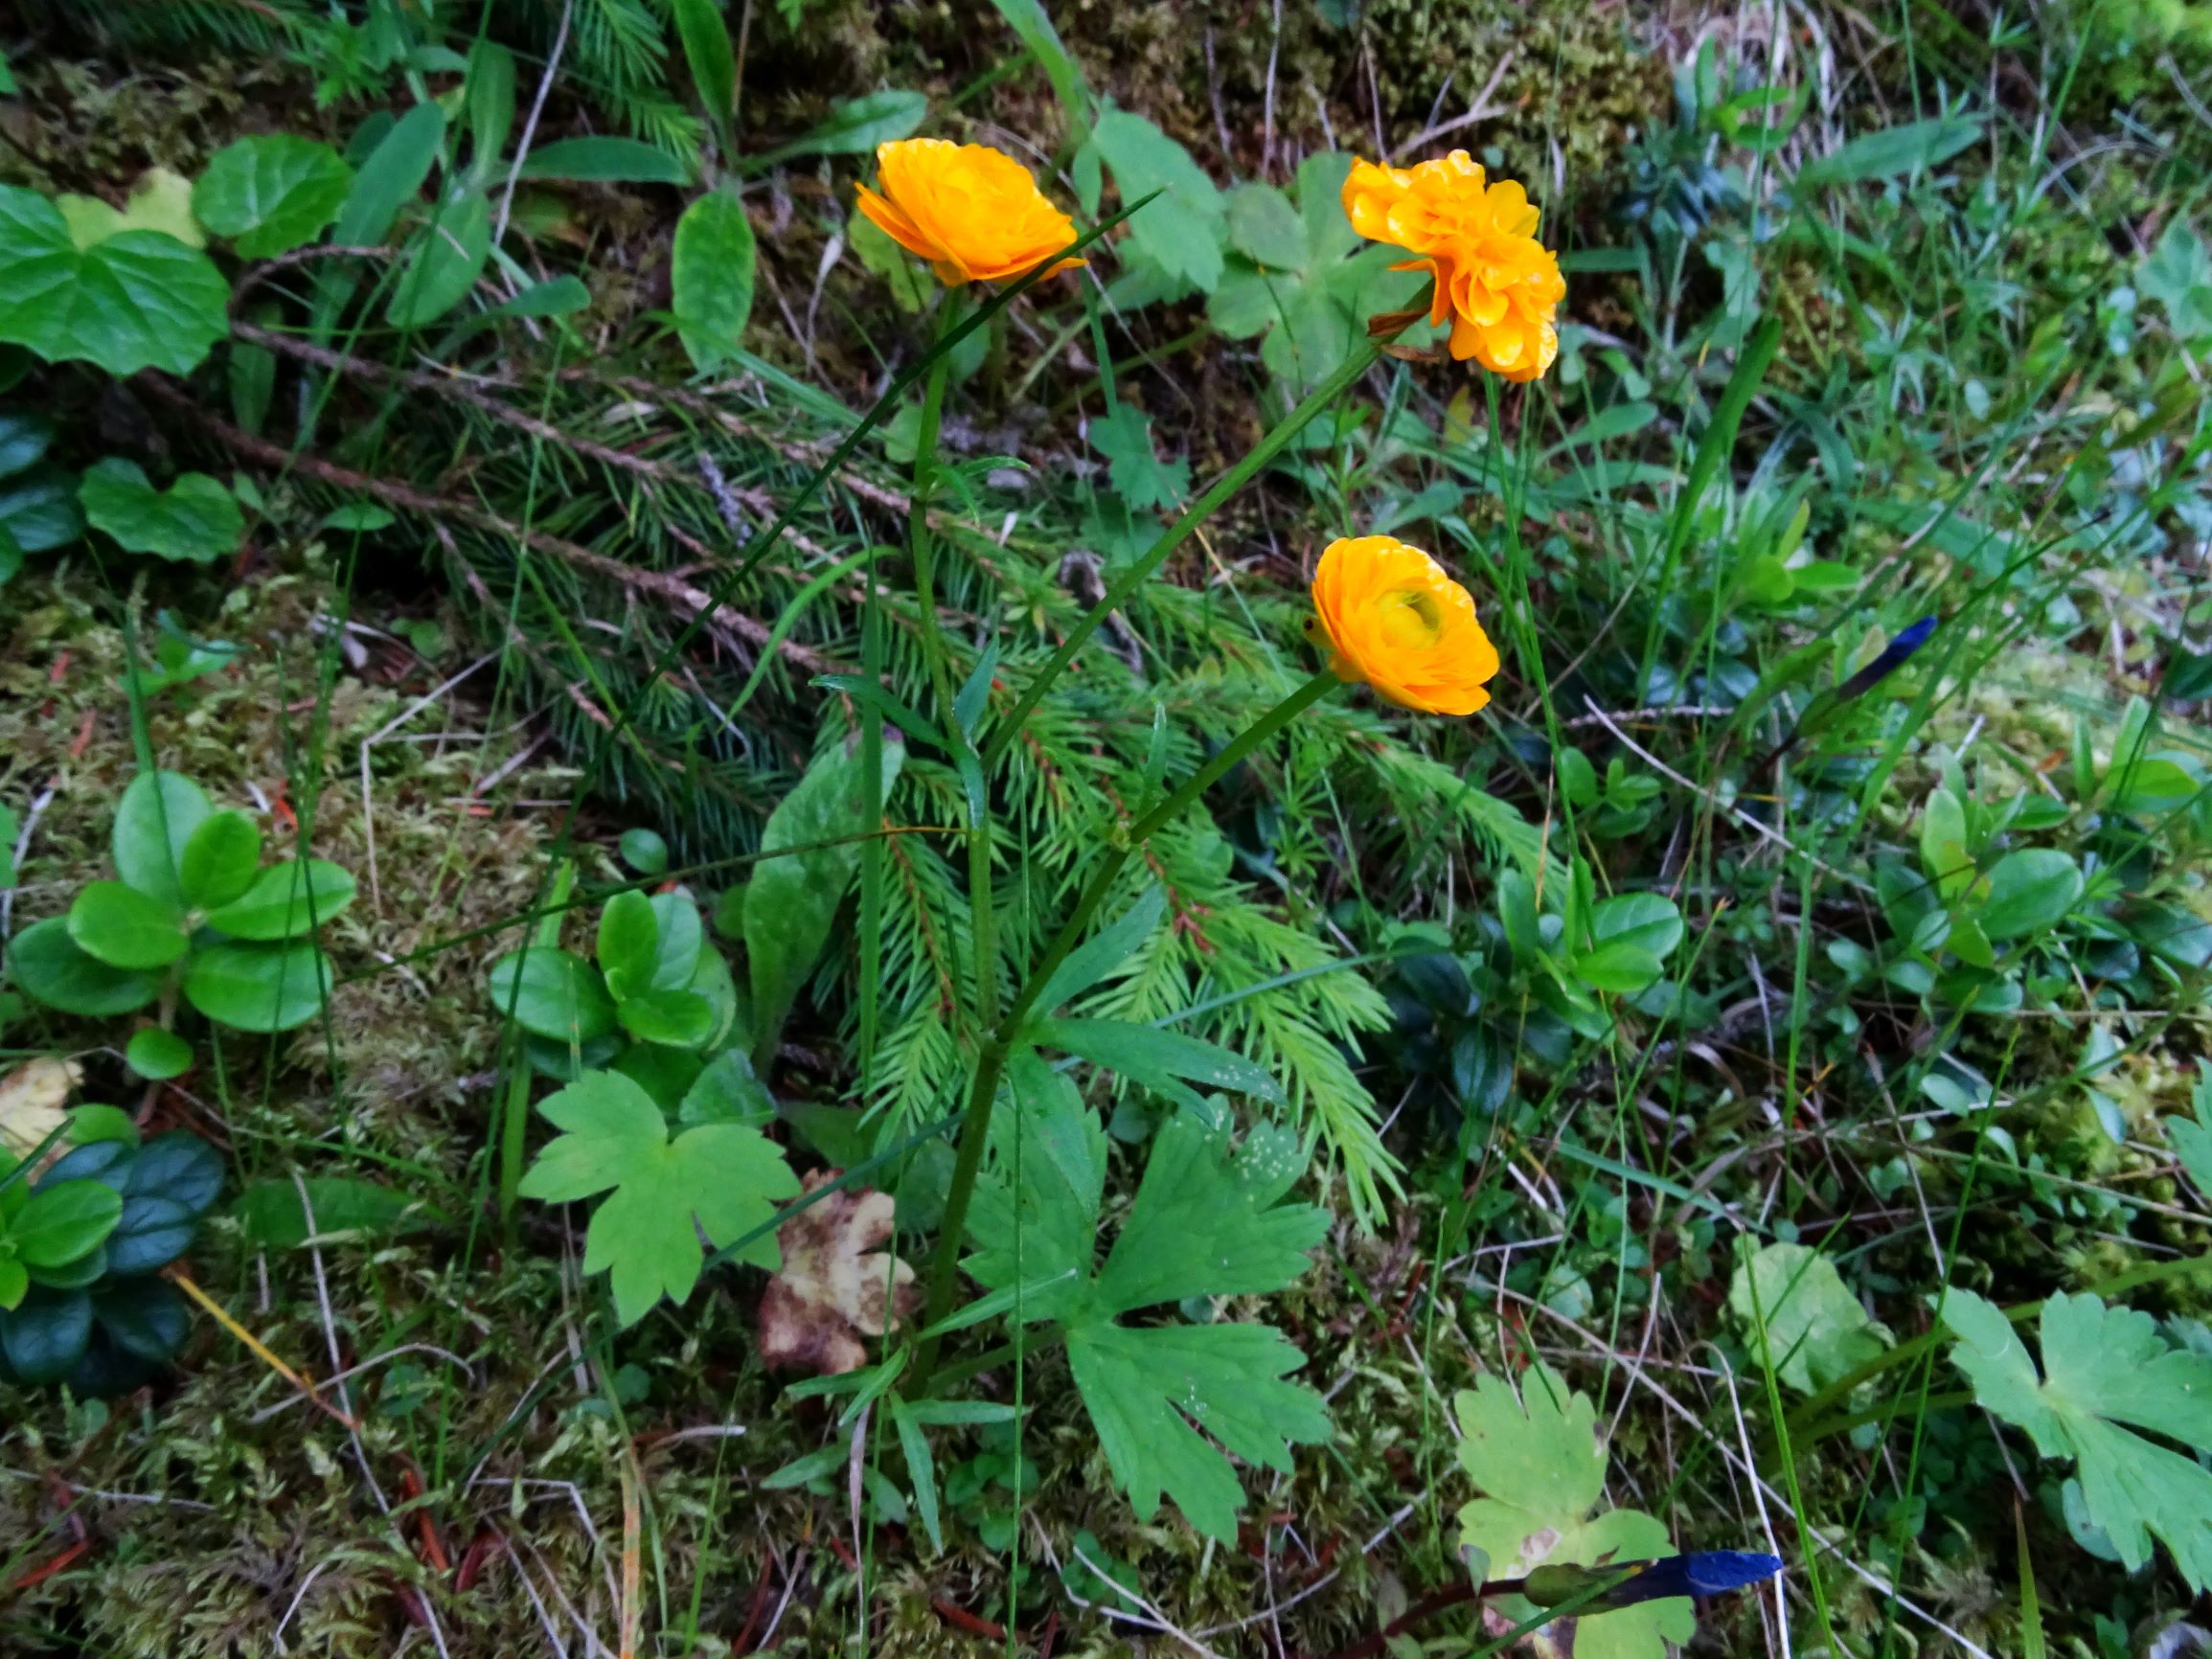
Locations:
(1815, 1329)
(1209, 1223)
(1146, 1388)
(1123, 435)
(1179, 230)
(2104, 1368)
(2191, 1137)
(1542, 1464)
(722, 1180)
(196, 519)
(1204, 1225)
(140, 300)
(1045, 1225)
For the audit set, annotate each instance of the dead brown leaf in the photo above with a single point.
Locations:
(835, 1286)
(31, 1099)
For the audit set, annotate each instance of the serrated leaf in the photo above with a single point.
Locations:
(1045, 1227)
(2178, 275)
(1179, 230)
(2105, 1371)
(140, 300)
(1206, 1223)
(270, 193)
(723, 1179)
(1123, 435)
(1263, 226)
(1815, 1329)
(1145, 1389)
(1543, 1462)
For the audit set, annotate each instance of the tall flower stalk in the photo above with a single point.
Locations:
(1388, 615)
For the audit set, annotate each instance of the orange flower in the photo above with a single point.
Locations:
(973, 211)
(1392, 617)
(1493, 279)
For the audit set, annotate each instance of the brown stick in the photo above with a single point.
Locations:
(393, 493)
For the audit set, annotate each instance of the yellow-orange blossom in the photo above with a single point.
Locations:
(1500, 286)
(973, 211)
(1392, 616)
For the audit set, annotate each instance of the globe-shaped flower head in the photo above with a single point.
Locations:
(973, 211)
(1498, 285)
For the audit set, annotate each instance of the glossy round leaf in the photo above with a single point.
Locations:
(52, 968)
(123, 928)
(154, 1053)
(154, 822)
(258, 987)
(180, 1167)
(680, 1018)
(144, 1317)
(38, 510)
(287, 900)
(46, 1336)
(220, 860)
(644, 852)
(2029, 890)
(153, 1232)
(141, 299)
(552, 994)
(65, 1220)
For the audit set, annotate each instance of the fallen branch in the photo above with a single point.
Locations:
(676, 591)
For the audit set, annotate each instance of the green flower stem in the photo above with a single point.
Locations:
(990, 1064)
(924, 552)
(1361, 358)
